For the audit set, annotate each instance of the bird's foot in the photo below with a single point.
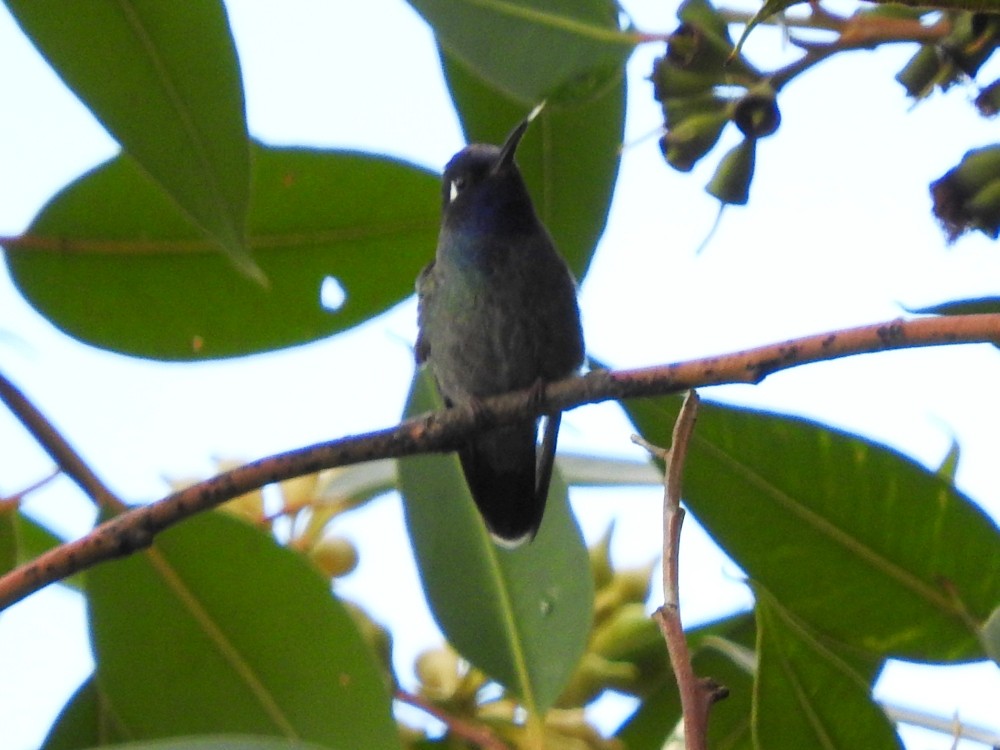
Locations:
(536, 397)
(480, 417)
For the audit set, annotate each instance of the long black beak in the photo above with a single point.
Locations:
(510, 145)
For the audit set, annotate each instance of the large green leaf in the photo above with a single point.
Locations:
(224, 742)
(9, 551)
(164, 79)
(217, 629)
(534, 49)
(522, 616)
(973, 306)
(113, 263)
(569, 156)
(806, 694)
(990, 636)
(861, 543)
(85, 721)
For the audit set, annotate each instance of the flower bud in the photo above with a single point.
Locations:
(685, 144)
(922, 72)
(756, 114)
(630, 636)
(568, 729)
(334, 556)
(594, 675)
(985, 207)
(669, 80)
(715, 48)
(968, 196)
(973, 39)
(438, 672)
(695, 49)
(988, 101)
(629, 629)
(677, 109)
(731, 181)
(600, 559)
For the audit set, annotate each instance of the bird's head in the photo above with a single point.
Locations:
(483, 189)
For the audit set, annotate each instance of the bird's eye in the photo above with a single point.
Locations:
(456, 187)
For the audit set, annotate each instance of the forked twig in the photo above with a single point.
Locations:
(697, 694)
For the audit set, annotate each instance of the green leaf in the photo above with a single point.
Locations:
(165, 81)
(962, 307)
(218, 629)
(225, 742)
(139, 280)
(949, 465)
(770, 8)
(534, 49)
(8, 537)
(84, 721)
(522, 616)
(990, 635)
(569, 157)
(857, 540)
(731, 181)
(806, 694)
(730, 725)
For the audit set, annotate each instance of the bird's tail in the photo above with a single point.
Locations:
(500, 468)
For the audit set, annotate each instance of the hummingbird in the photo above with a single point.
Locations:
(497, 312)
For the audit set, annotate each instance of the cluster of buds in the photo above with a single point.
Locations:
(957, 56)
(451, 684)
(968, 196)
(691, 82)
(305, 509)
(307, 505)
(625, 652)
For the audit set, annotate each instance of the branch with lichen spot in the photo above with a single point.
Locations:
(135, 529)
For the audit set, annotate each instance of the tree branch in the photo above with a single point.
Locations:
(697, 695)
(467, 730)
(442, 431)
(860, 32)
(68, 460)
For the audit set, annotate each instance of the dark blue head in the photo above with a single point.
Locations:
(483, 191)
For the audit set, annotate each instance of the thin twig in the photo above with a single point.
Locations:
(68, 460)
(950, 726)
(468, 730)
(861, 32)
(697, 695)
(17, 498)
(442, 431)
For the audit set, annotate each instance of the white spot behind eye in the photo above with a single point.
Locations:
(331, 294)
(453, 192)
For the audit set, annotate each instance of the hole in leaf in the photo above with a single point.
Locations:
(331, 294)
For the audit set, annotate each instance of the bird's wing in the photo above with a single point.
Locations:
(425, 289)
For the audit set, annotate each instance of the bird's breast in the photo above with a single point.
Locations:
(502, 321)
